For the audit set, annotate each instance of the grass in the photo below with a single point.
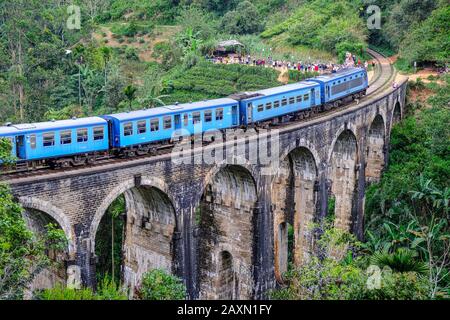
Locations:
(210, 81)
(279, 50)
(384, 50)
(403, 66)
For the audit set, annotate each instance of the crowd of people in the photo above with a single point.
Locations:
(301, 66)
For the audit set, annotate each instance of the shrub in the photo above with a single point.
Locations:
(402, 260)
(339, 272)
(159, 285)
(60, 292)
(296, 76)
(109, 290)
(131, 53)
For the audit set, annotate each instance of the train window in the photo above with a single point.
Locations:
(142, 127)
(154, 124)
(291, 100)
(186, 119)
(208, 116)
(268, 105)
(196, 117)
(82, 135)
(99, 133)
(276, 104)
(33, 141)
(306, 97)
(260, 108)
(299, 99)
(128, 129)
(49, 139)
(66, 137)
(284, 102)
(167, 122)
(219, 114)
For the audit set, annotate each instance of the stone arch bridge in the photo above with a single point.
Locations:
(223, 227)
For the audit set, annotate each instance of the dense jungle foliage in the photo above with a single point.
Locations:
(130, 54)
(407, 247)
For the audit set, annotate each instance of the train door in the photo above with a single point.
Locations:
(20, 147)
(177, 122)
(313, 97)
(249, 113)
(234, 115)
(111, 133)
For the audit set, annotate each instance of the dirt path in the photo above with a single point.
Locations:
(284, 75)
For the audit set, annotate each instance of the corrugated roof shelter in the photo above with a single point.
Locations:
(224, 46)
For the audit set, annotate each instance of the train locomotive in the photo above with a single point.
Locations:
(77, 142)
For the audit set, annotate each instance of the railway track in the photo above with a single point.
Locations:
(384, 73)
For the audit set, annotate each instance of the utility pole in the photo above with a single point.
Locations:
(80, 61)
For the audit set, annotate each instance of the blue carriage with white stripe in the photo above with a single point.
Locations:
(65, 142)
(136, 131)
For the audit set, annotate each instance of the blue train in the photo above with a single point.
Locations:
(79, 141)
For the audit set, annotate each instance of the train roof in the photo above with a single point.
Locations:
(25, 128)
(339, 74)
(279, 90)
(179, 108)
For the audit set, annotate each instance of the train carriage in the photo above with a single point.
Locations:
(347, 83)
(276, 102)
(143, 127)
(56, 140)
(8, 133)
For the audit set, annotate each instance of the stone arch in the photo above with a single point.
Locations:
(208, 180)
(347, 127)
(121, 189)
(56, 214)
(226, 276)
(293, 202)
(375, 152)
(302, 143)
(343, 165)
(150, 230)
(101, 210)
(397, 114)
(226, 222)
(37, 214)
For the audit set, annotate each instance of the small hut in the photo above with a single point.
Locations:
(225, 48)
